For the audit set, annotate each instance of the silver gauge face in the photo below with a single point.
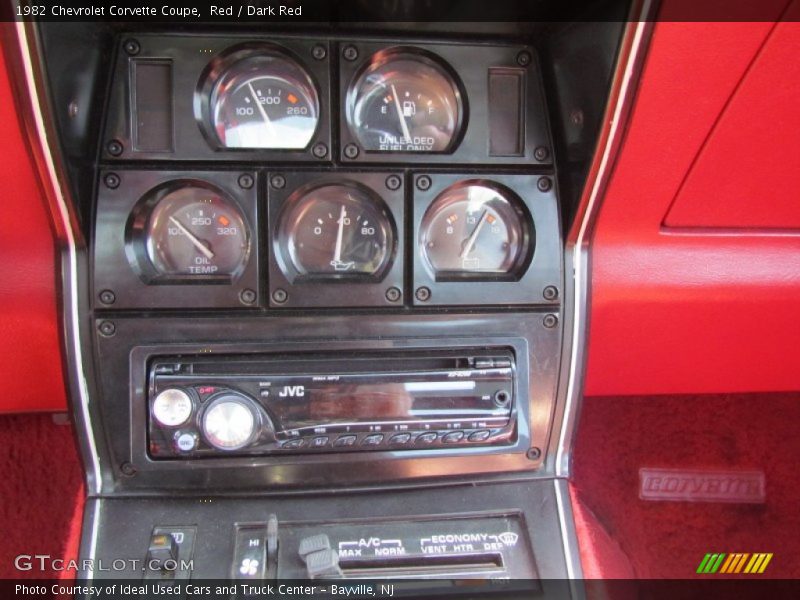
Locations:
(264, 100)
(172, 407)
(229, 422)
(196, 232)
(337, 231)
(475, 230)
(405, 102)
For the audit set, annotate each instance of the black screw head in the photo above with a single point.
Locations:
(524, 58)
(393, 294)
(350, 53)
(423, 294)
(351, 151)
(320, 150)
(393, 182)
(115, 147)
(132, 47)
(280, 296)
(246, 181)
(247, 296)
(107, 297)
(533, 453)
(127, 469)
(423, 183)
(550, 321)
(544, 184)
(278, 182)
(541, 153)
(107, 328)
(550, 292)
(112, 181)
(319, 52)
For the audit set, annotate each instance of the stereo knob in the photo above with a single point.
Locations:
(172, 407)
(230, 421)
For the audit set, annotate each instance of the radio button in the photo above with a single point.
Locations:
(374, 439)
(400, 438)
(453, 437)
(185, 441)
(320, 441)
(345, 440)
(427, 438)
(479, 436)
(295, 443)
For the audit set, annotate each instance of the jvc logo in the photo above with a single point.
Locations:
(293, 391)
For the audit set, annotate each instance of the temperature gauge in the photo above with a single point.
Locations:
(260, 98)
(476, 230)
(191, 231)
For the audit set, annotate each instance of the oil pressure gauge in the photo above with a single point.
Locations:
(336, 231)
(476, 230)
(405, 101)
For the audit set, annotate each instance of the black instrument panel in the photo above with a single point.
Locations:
(236, 98)
(346, 173)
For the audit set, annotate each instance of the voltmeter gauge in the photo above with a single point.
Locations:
(405, 101)
(192, 231)
(260, 98)
(476, 230)
(336, 231)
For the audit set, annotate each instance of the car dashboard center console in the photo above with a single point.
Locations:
(322, 301)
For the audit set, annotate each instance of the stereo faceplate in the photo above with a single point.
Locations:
(229, 405)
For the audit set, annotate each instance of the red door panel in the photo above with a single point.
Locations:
(30, 350)
(697, 312)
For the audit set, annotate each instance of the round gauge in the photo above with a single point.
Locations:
(337, 230)
(196, 231)
(262, 99)
(475, 229)
(229, 422)
(172, 407)
(405, 101)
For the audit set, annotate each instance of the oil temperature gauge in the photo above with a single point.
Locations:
(336, 231)
(190, 231)
(476, 230)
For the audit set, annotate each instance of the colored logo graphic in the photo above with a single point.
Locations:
(740, 562)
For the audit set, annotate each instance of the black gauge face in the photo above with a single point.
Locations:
(475, 230)
(196, 232)
(264, 101)
(338, 231)
(404, 102)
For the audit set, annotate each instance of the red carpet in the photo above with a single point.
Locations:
(618, 436)
(41, 490)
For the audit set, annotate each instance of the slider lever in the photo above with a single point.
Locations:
(322, 562)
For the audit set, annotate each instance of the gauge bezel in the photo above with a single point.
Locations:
(281, 235)
(137, 236)
(541, 270)
(329, 291)
(216, 71)
(386, 55)
(527, 243)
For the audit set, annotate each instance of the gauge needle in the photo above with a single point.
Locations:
(474, 235)
(337, 254)
(400, 116)
(193, 238)
(261, 110)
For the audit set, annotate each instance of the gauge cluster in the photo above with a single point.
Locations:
(298, 99)
(301, 173)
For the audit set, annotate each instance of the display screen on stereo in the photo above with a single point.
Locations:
(258, 405)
